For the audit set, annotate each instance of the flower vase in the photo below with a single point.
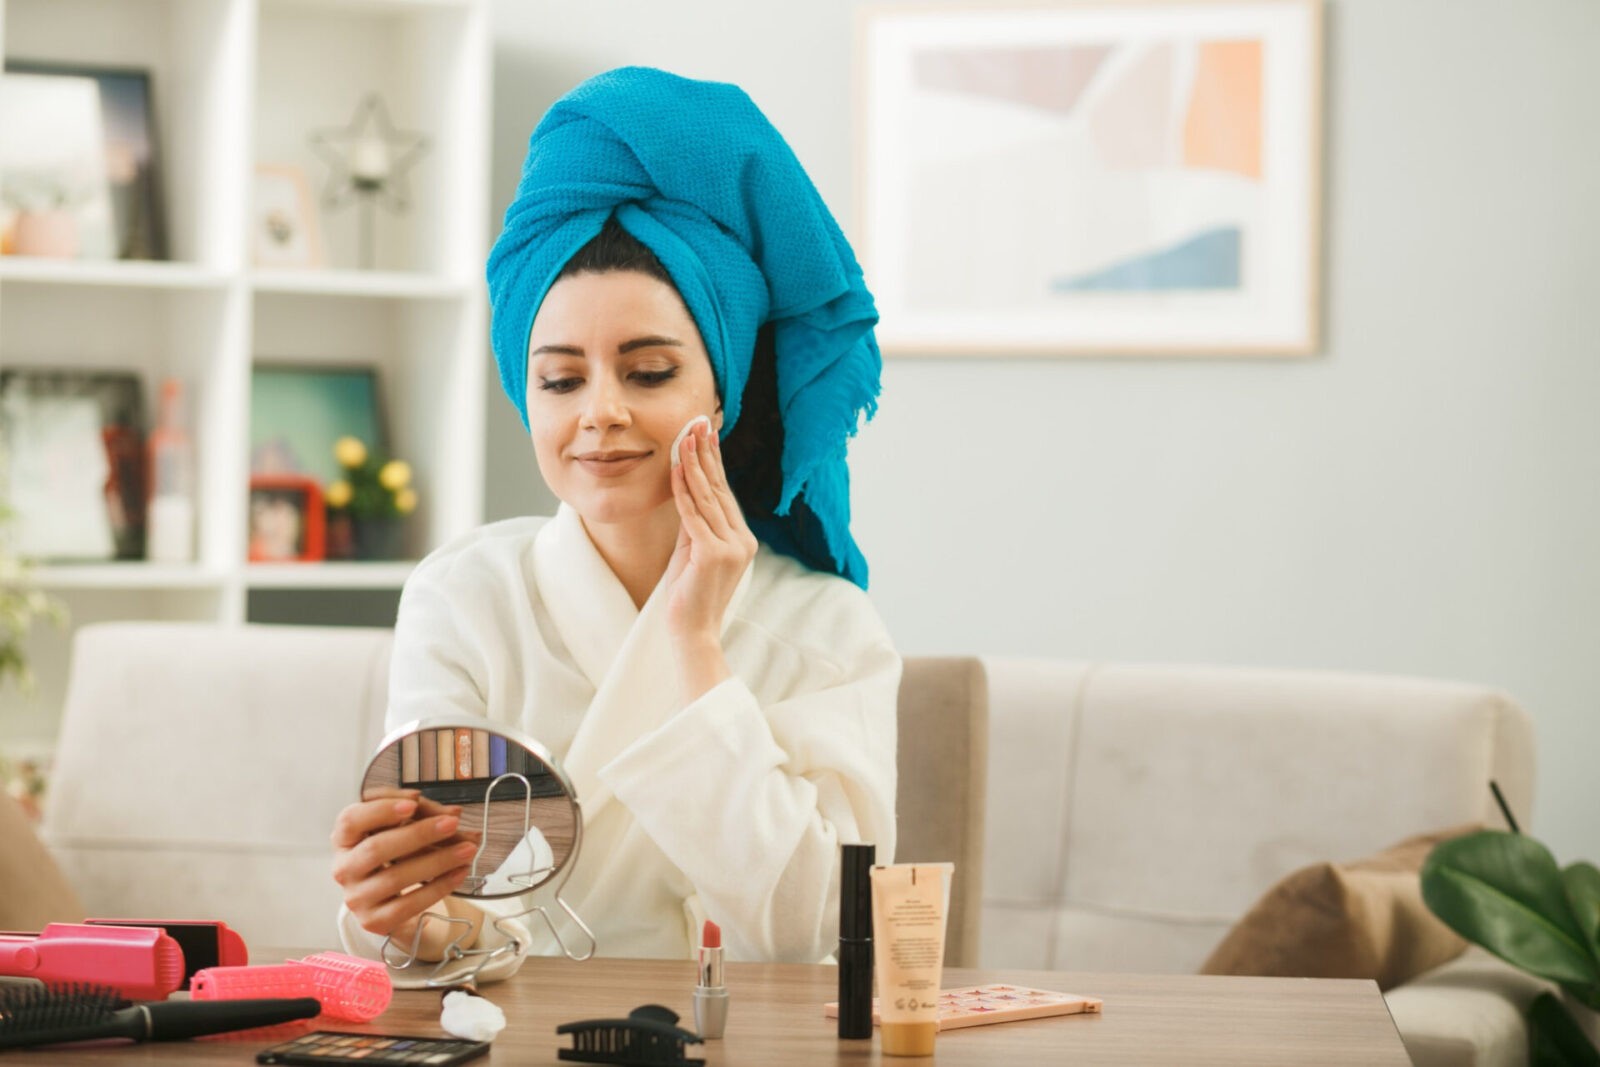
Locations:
(52, 234)
(340, 536)
(378, 538)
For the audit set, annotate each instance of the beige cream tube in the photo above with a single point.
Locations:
(909, 901)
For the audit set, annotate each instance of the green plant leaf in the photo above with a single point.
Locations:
(1504, 892)
(1554, 1040)
(1582, 884)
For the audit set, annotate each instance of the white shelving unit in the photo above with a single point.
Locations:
(237, 83)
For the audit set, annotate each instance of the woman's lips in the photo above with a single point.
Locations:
(610, 465)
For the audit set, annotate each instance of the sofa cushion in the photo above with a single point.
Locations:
(1364, 919)
(1466, 1013)
(1137, 811)
(35, 890)
(200, 769)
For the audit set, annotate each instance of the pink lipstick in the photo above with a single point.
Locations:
(710, 995)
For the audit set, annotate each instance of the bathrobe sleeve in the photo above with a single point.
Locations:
(751, 798)
(438, 667)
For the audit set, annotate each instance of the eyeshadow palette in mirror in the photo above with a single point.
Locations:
(507, 787)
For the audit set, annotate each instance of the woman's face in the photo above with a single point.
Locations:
(616, 368)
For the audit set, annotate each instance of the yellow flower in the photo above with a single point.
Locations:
(396, 474)
(405, 501)
(338, 494)
(350, 452)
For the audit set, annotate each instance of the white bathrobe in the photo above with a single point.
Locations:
(730, 808)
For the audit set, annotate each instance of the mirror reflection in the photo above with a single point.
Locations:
(506, 788)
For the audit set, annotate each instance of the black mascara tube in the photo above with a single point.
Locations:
(855, 942)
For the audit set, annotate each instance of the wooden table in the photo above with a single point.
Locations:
(776, 1019)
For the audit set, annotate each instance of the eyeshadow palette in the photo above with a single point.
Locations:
(455, 765)
(982, 1005)
(334, 1047)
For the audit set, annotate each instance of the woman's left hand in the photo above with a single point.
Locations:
(715, 546)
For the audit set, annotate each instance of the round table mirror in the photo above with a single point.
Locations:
(507, 787)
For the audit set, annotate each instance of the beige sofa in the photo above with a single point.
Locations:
(1136, 812)
(1133, 812)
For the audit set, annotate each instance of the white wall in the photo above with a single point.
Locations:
(1420, 498)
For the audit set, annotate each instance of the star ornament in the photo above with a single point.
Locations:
(368, 158)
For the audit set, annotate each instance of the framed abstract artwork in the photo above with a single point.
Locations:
(1094, 178)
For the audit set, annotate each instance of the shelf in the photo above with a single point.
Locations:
(111, 274)
(380, 284)
(328, 575)
(369, 5)
(235, 83)
(130, 575)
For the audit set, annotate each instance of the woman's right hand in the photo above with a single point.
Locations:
(398, 856)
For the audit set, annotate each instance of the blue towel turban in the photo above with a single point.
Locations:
(698, 175)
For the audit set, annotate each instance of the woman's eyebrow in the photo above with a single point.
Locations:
(652, 341)
(648, 342)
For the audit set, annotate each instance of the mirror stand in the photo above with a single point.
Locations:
(519, 853)
(442, 975)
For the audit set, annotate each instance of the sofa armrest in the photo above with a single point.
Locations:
(1470, 1012)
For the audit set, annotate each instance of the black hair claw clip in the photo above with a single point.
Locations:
(649, 1036)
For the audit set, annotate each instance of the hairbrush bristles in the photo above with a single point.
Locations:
(62, 1007)
(94, 1013)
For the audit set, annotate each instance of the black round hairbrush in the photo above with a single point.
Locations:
(43, 1006)
(93, 1013)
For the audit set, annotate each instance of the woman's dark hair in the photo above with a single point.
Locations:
(753, 449)
(614, 248)
(752, 452)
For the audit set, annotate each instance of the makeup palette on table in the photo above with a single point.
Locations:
(327, 1047)
(982, 1005)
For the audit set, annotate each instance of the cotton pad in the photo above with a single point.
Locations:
(472, 1017)
(687, 428)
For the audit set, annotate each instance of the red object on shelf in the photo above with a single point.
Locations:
(287, 520)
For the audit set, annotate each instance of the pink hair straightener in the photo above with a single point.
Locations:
(140, 962)
(205, 942)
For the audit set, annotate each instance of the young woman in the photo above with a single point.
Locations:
(691, 641)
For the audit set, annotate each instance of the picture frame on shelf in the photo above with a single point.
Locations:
(75, 461)
(299, 410)
(131, 153)
(1093, 178)
(285, 230)
(288, 523)
(55, 197)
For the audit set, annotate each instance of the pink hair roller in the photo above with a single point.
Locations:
(349, 987)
